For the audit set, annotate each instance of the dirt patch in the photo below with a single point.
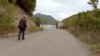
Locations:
(19, 14)
(98, 54)
(89, 37)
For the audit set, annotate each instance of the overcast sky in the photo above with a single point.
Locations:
(61, 9)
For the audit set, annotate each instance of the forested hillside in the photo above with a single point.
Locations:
(12, 10)
(46, 19)
(86, 26)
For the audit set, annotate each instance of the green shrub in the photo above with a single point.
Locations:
(6, 19)
(34, 29)
(86, 20)
(27, 5)
(3, 2)
(86, 26)
(37, 21)
(11, 1)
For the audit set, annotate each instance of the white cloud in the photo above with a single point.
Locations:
(62, 15)
(61, 9)
(65, 15)
(51, 4)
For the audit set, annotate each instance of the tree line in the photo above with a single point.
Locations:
(27, 5)
(86, 22)
(86, 26)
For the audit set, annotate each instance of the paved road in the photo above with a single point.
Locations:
(45, 43)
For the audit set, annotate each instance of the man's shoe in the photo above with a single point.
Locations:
(23, 39)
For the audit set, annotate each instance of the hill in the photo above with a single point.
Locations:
(46, 19)
(86, 26)
(10, 14)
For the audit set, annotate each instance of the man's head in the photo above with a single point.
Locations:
(24, 16)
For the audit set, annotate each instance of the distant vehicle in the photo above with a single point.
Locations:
(59, 25)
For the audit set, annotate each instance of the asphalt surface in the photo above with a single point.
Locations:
(53, 42)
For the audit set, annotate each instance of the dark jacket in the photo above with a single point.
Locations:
(22, 23)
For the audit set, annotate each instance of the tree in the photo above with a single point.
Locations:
(12, 1)
(94, 3)
(37, 21)
(27, 5)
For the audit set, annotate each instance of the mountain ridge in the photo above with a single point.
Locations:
(46, 19)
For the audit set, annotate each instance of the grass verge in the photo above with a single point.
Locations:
(91, 38)
(35, 29)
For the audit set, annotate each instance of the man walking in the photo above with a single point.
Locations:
(22, 27)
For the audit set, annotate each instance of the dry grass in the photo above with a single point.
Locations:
(13, 12)
(92, 38)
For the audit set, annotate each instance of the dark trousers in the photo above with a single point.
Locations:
(21, 33)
